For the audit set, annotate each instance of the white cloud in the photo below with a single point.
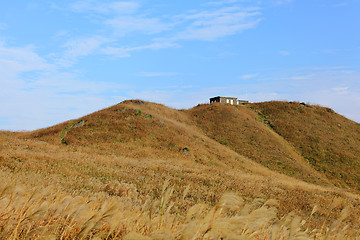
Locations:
(219, 23)
(330, 51)
(122, 17)
(121, 52)
(105, 8)
(3, 26)
(81, 47)
(342, 4)
(157, 74)
(119, 19)
(29, 110)
(53, 99)
(341, 90)
(298, 77)
(281, 2)
(284, 53)
(220, 3)
(123, 25)
(202, 25)
(117, 52)
(34, 93)
(67, 83)
(14, 61)
(249, 76)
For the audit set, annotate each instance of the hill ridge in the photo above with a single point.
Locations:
(141, 129)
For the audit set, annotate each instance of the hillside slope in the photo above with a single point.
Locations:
(138, 129)
(310, 143)
(240, 129)
(327, 140)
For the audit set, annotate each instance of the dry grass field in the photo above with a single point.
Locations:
(140, 170)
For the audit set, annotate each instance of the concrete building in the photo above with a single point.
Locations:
(242, 101)
(227, 100)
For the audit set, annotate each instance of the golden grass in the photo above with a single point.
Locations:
(37, 172)
(144, 188)
(48, 213)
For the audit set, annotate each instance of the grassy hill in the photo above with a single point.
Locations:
(327, 140)
(240, 129)
(140, 170)
(138, 129)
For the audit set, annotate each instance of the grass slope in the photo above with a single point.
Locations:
(327, 140)
(241, 130)
(137, 129)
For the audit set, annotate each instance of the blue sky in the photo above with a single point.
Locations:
(60, 60)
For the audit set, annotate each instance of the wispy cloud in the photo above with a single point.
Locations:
(341, 90)
(212, 21)
(157, 74)
(212, 25)
(123, 25)
(122, 17)
(298, 77)
(102, 7)
(223, 19)
(81, 47)
(284, 53)
(330, 51)
(35, 93)
(204, 25)
(16, 60)
(3, 26)
(220, 3)
(280, 2)
(342, 4)
(249, 76)
(121, 52)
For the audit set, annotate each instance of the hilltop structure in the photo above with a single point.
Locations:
(229, 100)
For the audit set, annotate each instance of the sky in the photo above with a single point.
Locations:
(61, 60)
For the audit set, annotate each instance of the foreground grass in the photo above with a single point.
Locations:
(49, 192)
(48, 213)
